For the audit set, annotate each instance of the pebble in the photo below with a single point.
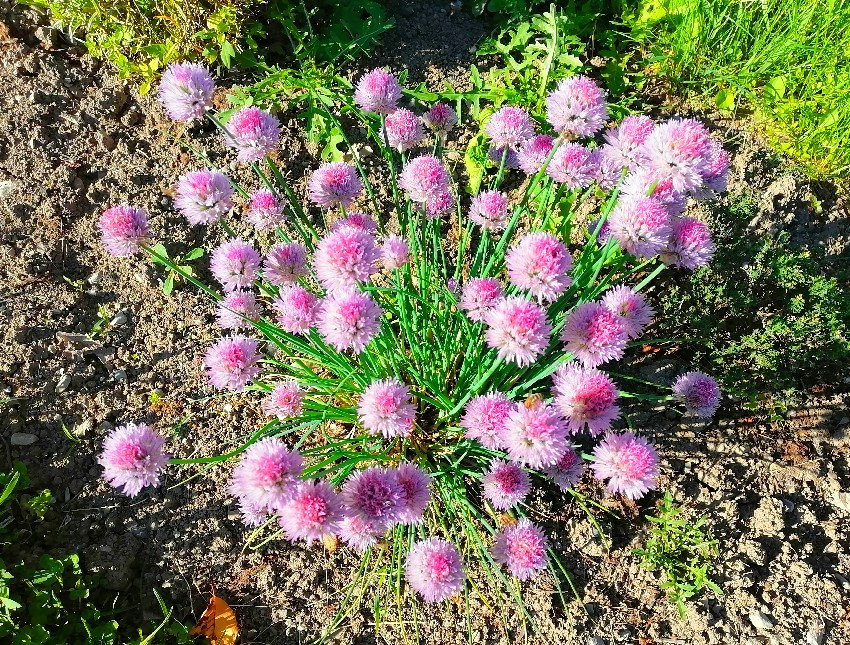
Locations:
(118, 320)
(119, 375)
(760, 620)
(63, 384)
(23, 439)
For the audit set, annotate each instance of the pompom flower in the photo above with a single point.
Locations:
(533, 152)
(357, 220)
(285, 263)
(264, 479)
(577, 106)
(641, 225)
(359, 534)
(232, 362)
(425, 179)
(434, 570)
(235, 308)
(509, 126)
(485, 418)
(440, 204)
(395, 252)
(297, 309)
(567, 472)
(265, 210)
(132, 457)
(414, 482)
(345, 257)
(284, 401)
(572, 166)
(679, 150)
(606, 172)
(518, 329)
(253, 132)
(690, 245)
(624, 143)
(594, 335)
(586, 397)
(505, 484)
(604, 232)
(628, 462)
(716, 172)
(312, 512)
(204, 196)
(510, 156)
(535, 434)
(404, 129)
(333, 184)
(375, 496)
(186, 91)
(479, 296)
(234, 264)
(377, 91)
(699, 393)
(440, 118)
(521, 548)
(539, 262)
(643, 183)
(386, 408)
(489, 209)
(123, 229)
(634, 311)
(349, 320)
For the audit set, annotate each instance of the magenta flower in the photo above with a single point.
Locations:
(186, 91)
(533, 152)
(539, 262)
(699, 393)
(349, 320)
(132, 458)
(586, 397)
(204, 196)
(489, 209)
(440, 118)
(679, 150)
(634, 311)
(425, 179)
(297, 309)
(434, 570)
(594, 335)
(345, 257)
(395, 252)
(572, 166)
(440, 204)
(641, 225)
(264, 479)
(284, 401)
(567, 472)
(404, 129)
(624, 143)
(237, 310)
(509, 126)
(356, 220)
(312, 512)
(374, 495)
(479, 296)
(285, 263)
(414, 482)
(690, 245)
(485, 418)
(521, 548)
(253, 133)
(535, 434)
(628, 462)
(386, 408)
(577, 106)
(232, 362)
(377, 91)
(509, 154)
(265, 210)
(716, 173)
(359, 534)
(505, 484)
(518, 329)
(234, 264)
(123, 229)
(643, 183)
(606, 172)
(334, 184)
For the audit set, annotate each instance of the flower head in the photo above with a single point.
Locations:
(440, 204)
(634, 311)
(377, 91)
(518, 329)
(577, 106)
(425, 179)
(236, 307)
(594, 335)
(715, 175)
(204, 196)
(643, 183)
(253, 132)
(440, 118)
(359, 534)
(297, 309)
(489, 209)
(479, 296)
(349, 320)
(567, 472)
(232, 362)
(690, 245)
(539, 262)
(532, 153)
(535, 434)
(356, 220)
(264, 478)
(312, 512)
(395, 252)
(404, 129)
(374, 495)
(507, 153)
(386, 408)
(505, 484)
(699, 393)
(265, 210)
(333, 184)
(285, 263)
(521, 548)
(345, 257)
(679, 150)
(284, 401)
(641, 225)
(586, 397)
(234, 264)
(604, 233)
(434, 570)
(606, 171)
(624, 143)
(414, 482)
(628, 462)
(123, 229)
(132, 457)
(186, 91)
(509, 126)
(572, 165)
(485, 418)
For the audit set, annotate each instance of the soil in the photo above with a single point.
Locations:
(75, 139)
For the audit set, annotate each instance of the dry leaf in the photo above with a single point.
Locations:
(218, 623)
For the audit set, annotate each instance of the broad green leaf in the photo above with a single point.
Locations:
(725, 99)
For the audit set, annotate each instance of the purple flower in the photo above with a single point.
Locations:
(232, 362)
(479, 296)
(297, 309)
(505, 484)
(606, 172)
(641, 225)
(485, 418)
(236, 307)
(690, 245)
(425, 179)
(395, 252)
(522, 549)
(359, 534)
(434, 570)
(679, 150)
(414, 482)
(594, 335)
(284, 401)
(518, 329)
(533, 152)
(404, 129)
(716, 172)
(509, 126)
(374, 495)
(489, 209)
(357, 220)
(628, 462)
(265, 210)
(567, 472)
(349, 320)
(624, 143)
(123, 229)
(539, 262)
(285, 263)
(132, 457)
(634, 311)
(577, 106)
(377, 91)
(345, 257)
(186, 91)
(699, 393)
(253, 132)
(264, 479)
(204, 196)
(604, 233)
(440, 204)
(511, 157)
(334, 184)
(386, 408)
(535, 434)
(572, 166)
(643, 183)
(440, 118)
(586, 397)
(312, 512)
(234, 264)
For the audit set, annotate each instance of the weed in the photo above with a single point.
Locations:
(173, 277)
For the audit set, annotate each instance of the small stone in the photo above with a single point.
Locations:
(760, 620)
(119, 375)
(23, 439)
(118, 320)
(63, 384)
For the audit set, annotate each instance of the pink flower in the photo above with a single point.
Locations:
(511, 157)
(186, 91)
(533, 152)
(440, 204)
(604, 233)
(522, 549)
(377, 91)
(265, 210)
(624, 143)
(568, 471)
(699, 393)
(236, 307)
(634, 311)
(234, 264)
(539, 262)
(349, 320)
(505, 484)
(359, 534)
(312, 512)
(690, 245)
(716, 172)
(253, 132)
(425, 179)
(489, 209)
(285, 263)
(334, 184)
(284, 401)
(606, 172)
(485, 418)
(357, 220)
(518, 330)
(232, 362)
(572, 166)
(586, 397)
(641, 225)
(679, 150)
(264, 479)
(204, 196)
(594, 335)
(434, 570)
(577, 106)
(123, 229)
(404, 130)
(414, 482)
(509, 126)
(535, 434)
(395, 252)
(345, 257)
(297, 309)
(374, 495)
(628, 462)
(479, 296)
(643, 183)
(132, 457)
(440, 118)
(386, 408)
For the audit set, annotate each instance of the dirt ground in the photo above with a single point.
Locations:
(74, 139)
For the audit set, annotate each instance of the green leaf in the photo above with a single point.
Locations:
(227, 53)
(725, 99)
(168, 285)
(194, 254)
(775, 88)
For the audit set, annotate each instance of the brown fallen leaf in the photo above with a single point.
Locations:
(218, 623)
